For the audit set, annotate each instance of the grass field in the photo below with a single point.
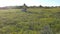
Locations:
(34, 21)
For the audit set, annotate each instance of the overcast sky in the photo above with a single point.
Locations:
(29, 2)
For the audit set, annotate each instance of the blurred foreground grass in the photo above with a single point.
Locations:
(14, 21)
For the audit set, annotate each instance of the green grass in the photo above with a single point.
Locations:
(14, 21)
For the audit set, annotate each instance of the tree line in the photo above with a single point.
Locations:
(19, 7)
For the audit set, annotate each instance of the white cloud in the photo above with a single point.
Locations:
(28, 2)
(17, 2)
(9, 2)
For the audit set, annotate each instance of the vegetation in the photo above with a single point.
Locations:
(34, 21)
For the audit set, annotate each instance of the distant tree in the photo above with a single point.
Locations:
(33, 6)
(40, 6)
(25, 5)
(46, 7)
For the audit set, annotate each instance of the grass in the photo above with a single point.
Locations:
(14, 21)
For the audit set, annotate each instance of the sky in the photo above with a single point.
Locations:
(29, 2)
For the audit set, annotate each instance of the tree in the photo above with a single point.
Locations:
(24, 5)
(40, 6)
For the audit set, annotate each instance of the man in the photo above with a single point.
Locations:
(24, 9)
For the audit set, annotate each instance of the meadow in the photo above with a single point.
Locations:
(34, 21)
